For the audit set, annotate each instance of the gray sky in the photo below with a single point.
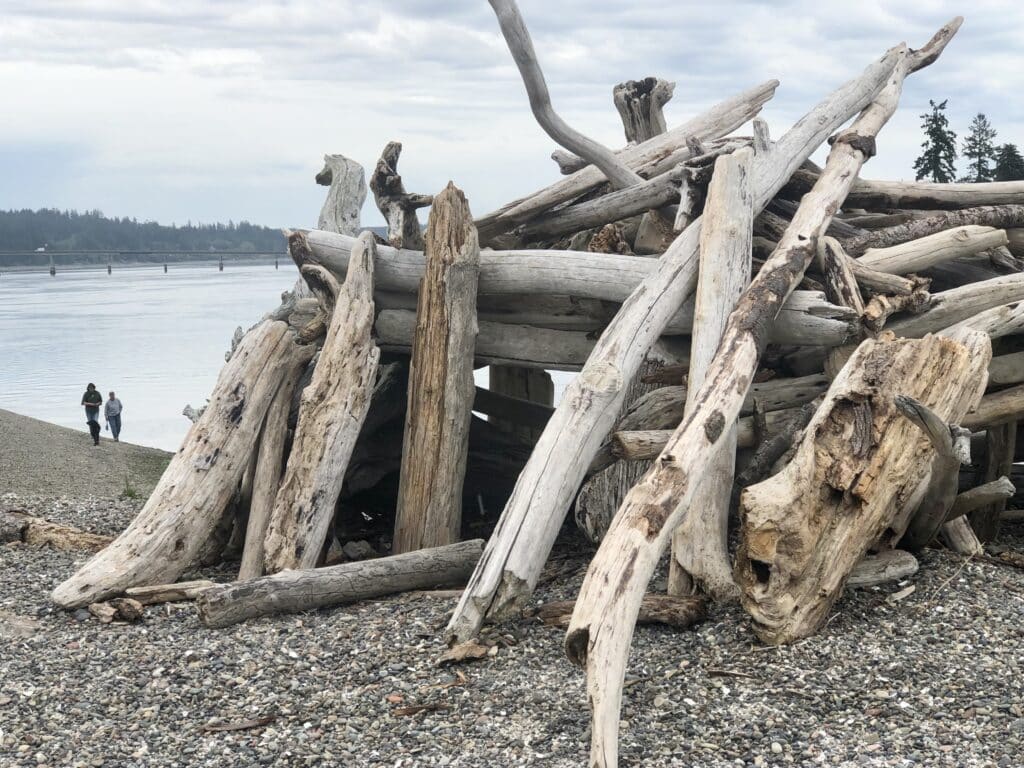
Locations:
(212, 110)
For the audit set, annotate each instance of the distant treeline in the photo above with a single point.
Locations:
(92, 231)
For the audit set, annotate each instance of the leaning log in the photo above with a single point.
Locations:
(805, 528)
(429, 507)
(307, 590)
(980, 496)
(333, 408)
(167, 535)
(602, 625)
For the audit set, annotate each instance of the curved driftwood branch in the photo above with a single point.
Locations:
(521, 47)
(347, 182)
(397, 205)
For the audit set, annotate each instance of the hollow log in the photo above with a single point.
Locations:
(859, 461)
(886, 566)
(270, 464)
(441, 390)
(700, 546)
(397, 206)
(306, 590)
(333, 408)
(165, 538)
(602, 625)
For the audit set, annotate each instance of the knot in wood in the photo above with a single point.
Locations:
(713, 426)
(863, 144)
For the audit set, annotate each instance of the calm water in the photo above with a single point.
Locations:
(157, 340)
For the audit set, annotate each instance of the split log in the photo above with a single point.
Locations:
(650, 158)
(270, 458)
(641, 106)
(169, 593)
(429, 507)
(35, 531)
(952, 448)
(930, 250)
(840, 280)
(700, 546)
(334, 406)
(524, 395)
(602, 625)
(998, 216)
(531, 520)
(671, 611)
(980, 496)
(306, 590)
(859, 459)
(397, 205)
(167, 535)
(1000, 443)
(886, 566)
(340, 212)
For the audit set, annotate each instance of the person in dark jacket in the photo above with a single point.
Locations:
(92, 400)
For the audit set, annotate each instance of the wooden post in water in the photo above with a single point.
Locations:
(53, 267)
(110, 261)
(165, 267)
(220, 264)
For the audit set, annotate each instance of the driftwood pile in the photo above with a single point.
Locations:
(830, 366)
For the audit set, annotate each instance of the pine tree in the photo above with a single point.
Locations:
(938, 149)
(1009, 164)
(980, 150)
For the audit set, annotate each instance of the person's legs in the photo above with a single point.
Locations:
(115, 426)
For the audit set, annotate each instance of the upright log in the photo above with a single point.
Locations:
(346, 179)
(641, 106)
(333, 408)
(602, 625)
(167, 535)
(700, 546)
(1000, 441)
(520, 544)
(397, 205)
(441, 389)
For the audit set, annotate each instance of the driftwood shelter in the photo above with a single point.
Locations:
(826, 366)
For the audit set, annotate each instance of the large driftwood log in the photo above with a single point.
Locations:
(441, 390)
(700, 545)
(520, 545)
(334, 406)
(602, 625)
(306, 590)
(805, 528)
(650, 158)
(930, 250)
(270, 465)
(998, 216)
(397, 205)
(166, 537)
(340, 212)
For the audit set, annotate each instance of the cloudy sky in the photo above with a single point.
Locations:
(222, 109)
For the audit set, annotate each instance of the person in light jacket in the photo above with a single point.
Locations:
(112, 415)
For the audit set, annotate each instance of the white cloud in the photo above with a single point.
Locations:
(216, 110)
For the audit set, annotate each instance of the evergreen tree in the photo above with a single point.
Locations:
(979, 150)
(1009, 164)
(938, 151)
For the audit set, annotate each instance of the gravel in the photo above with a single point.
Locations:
(934, 679)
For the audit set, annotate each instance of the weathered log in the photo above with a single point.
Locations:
(650, 158)
(397, 205)
(998, 321)
(958, 535)
(930, 250)
(641, 106)
(334, 406)
(840, 280)
(306, 590)
(678, 612)
(886, 566)
(168, 533)
(36, 531)
(169, 593)
(346, 179)
(270, 464)
(1001, 489)
(441, 390)
(1000, 442)
(947, 308)
(998, 216)
(922, 523)
(602, 625)
(876, 282)
(859, 459)
(528, 526)
(996, 408)
(1006, 369)
(807, 317)
(880, 308)
(700, 546)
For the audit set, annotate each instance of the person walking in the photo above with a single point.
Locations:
(92, 400)
(112, 415)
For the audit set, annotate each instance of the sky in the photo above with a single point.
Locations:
(217, 110)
